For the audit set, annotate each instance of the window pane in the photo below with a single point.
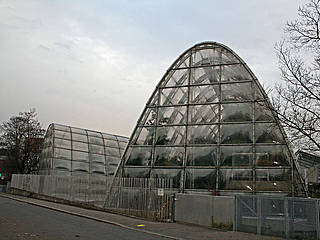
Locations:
(61, 128)
(80, 166)
(96, 149)
(176, 78)
(138, 156)
(62, 153)
(204, 113)
(272, 155)
(172, 115)
(236, 156)
(205, 75)
(208, 56)
(96, 158)
(62, 164)
(202, 156)
(64, 143)
(235, 72)
(63, 135)
(136, 172)
(236, 133)
(79, 137)
(111, 143)
(201, 179)
(268, 133)
(273, 180)
(169, 156)
(235, 179)
(143, 136)
(262, 112)
(112, 160)
(203, 134)
(80, 146)
(174, 174)
(173, 96)
(170, 135)
(236, 92)
(78, 130)
(204, 94)
(80, 156)
(96, 140)
(236, 112)
(149, 117)
(97, 168)
(112, 151)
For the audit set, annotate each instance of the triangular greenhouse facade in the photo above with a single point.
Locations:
(208, 125)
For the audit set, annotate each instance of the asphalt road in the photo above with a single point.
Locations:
(22, 221)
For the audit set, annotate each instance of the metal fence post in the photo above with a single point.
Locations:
(259, 214)
(173, 208)
(286, 217)
(235, 213)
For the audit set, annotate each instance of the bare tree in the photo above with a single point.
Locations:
(296, 98)
(22, 137)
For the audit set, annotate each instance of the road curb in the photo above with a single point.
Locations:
(90, 217)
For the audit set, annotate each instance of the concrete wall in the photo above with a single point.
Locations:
(204, 210)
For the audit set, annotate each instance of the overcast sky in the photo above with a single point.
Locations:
(93, 64)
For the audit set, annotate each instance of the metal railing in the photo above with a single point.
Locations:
(151, 198)
(278, 216)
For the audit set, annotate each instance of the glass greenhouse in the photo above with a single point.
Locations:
(74, 151)
(210, 127)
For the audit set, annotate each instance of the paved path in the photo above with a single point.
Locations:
(153, 230)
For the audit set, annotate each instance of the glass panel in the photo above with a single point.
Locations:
(64, 135)
(149, 117)
(169, 156)
(235, 179)
(112, 160)
(236, 92)
(78, 130)
(174, 174)
(62, 164)
(61, 128)
(204, 113)
(170, 135)
(268, 133)
(122, 145)
(143, 136)
(228, 57)
(258, 93)
(112, 151)
(136, 172)
(96, 149)
(138, 156)
(80, 156)
(273, 180)
(236, 156)
(236, 112)
(97, 158)
(80, 146)
(79, 137)
(154, 100)
(62, 153)
(80, 166)
(172, 115)
(203, 134)
(235, 72)
(176, 78)
(205, 75)
(122, 139)
(94, 134)
(64, 143)
(201, 179)
(208, 56)
(262, 112)
(182, 62)
(111, 169)
(202, 156)
(97, 168)
(96, 140)
(273, 155)
(111, 143)
(236, 133)
(204, 94)
(173, 96)
(109, 136)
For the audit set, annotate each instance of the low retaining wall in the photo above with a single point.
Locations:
(210, 211)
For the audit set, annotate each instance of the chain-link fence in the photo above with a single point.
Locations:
(150, 198)
(278, 216)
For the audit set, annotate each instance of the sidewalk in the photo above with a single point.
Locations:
(169, 230)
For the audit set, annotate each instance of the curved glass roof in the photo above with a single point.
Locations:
(74, 151)
(208, 125)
